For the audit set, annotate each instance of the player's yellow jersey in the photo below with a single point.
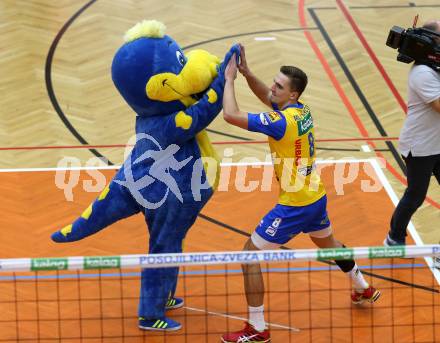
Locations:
(292, 144)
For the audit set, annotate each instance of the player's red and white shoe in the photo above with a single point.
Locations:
(370, 294)
(247, 335)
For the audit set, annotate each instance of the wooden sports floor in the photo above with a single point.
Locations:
(58, 102)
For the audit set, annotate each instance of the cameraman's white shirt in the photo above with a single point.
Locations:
(420, 134)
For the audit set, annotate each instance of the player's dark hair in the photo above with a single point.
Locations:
(298, 79)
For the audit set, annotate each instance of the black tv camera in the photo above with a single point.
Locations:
(416, 44)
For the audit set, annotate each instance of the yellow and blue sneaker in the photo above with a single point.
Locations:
(164, 324)
(173, 303)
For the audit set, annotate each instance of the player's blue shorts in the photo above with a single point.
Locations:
(283, 223)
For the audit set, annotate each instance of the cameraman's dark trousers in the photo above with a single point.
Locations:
(419, 171)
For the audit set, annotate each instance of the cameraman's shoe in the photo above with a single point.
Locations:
(436, 262)
(389, 242)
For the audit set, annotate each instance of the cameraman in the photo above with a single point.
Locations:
(419, 142)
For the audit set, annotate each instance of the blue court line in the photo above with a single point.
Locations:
(205, 272)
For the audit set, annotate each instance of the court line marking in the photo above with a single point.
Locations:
(264, 38)
(207, 272)
(411, 228)
(346, 12)
(291, 328)
(242, 140)
(349, 106)
(227, 164)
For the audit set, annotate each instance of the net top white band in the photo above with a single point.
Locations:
(212, 258)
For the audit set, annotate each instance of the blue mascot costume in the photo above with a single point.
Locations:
(170, 174)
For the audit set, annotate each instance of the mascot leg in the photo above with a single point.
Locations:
(114, 203)
(168, 228)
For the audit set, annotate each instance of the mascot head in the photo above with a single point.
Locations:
(153, 74)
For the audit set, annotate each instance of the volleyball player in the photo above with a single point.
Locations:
(302, 200)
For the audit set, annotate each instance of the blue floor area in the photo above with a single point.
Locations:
(204, 272)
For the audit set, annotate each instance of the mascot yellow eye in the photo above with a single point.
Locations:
(180, 58)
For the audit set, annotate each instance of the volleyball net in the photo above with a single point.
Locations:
(307, 297)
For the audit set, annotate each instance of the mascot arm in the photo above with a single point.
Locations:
(184, 125)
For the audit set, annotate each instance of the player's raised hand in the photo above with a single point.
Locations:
(243, 67)
(231, 68)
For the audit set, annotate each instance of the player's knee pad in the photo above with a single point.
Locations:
(321, 233)
(345, 265)
(262, 244)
